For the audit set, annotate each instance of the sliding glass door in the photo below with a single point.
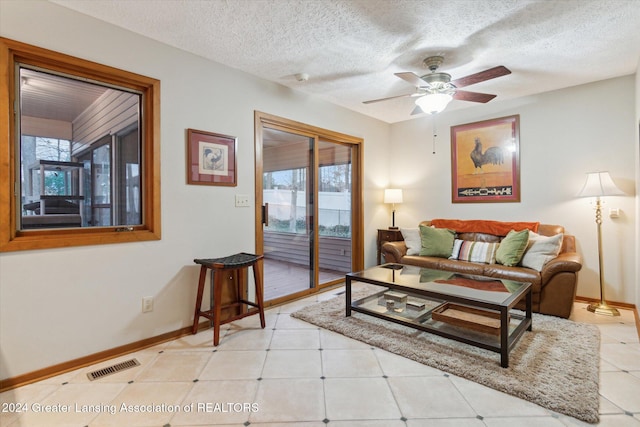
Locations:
(304, 191)
(334, 198)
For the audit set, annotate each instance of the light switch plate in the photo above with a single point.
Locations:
(242, 200)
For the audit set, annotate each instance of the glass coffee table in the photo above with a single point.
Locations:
(475, 310)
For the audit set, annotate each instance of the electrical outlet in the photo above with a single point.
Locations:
(242, 201)
(147, 304)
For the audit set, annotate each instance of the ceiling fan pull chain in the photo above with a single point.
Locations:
(435, 134)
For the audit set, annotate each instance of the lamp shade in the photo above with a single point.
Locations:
(599, 184)
(434, 103)
(393, 195)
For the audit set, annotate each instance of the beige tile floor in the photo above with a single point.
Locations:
(294, 374)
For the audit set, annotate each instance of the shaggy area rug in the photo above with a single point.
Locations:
(555, 366)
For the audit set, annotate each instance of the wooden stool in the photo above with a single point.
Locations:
(218, 265)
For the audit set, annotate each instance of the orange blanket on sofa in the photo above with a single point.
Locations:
(498, 228)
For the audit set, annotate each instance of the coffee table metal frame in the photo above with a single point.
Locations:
(507, 339)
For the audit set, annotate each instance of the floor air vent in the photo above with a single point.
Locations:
(112, 369)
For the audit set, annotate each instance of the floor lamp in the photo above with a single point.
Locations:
(393, 196)
(599, 184)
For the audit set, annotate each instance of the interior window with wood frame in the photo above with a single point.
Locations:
(80, 164)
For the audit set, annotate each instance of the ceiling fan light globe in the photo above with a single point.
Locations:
(434, 103)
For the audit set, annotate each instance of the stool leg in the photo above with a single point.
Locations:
(257, 278)
(217, 306)
(196, 314)
(211, 296)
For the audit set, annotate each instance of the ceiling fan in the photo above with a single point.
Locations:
(435, 90)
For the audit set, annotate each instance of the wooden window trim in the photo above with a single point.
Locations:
(12, 52)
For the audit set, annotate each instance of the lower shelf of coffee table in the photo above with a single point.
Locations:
(414, 309)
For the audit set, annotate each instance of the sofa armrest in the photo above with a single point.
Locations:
(394, 251)
(566, 261)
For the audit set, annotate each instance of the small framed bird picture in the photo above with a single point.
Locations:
(211, 158)
(485, 161)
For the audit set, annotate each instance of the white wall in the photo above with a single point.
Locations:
(62, 304)
(563, 135)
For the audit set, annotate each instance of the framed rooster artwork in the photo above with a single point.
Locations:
(211, 158)
(485, 161)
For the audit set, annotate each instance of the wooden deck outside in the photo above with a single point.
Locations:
(286, 258)
(334, 252)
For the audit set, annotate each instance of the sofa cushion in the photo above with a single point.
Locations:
(479, 237)
(512, 247)
(411, 238)
(517, 273)
(436, 242)
(495, 271)
(483, 252)
(446, 264)
(541, 250)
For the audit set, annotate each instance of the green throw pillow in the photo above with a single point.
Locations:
(512, 247)
(436, 242)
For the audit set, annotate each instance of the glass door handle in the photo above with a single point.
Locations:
(265, 214)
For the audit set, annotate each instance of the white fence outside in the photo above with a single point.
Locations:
(333, 208)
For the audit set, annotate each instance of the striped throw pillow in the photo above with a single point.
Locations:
(466, 250)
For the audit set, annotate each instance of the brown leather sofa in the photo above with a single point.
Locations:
(554, 287)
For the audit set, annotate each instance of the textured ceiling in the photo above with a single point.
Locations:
(351, 48)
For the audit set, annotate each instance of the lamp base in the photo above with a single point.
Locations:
(603, 308)
(393, 228)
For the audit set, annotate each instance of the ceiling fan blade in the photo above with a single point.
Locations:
(463, 95)
(489, 74)
(413, 79)
(391, 97)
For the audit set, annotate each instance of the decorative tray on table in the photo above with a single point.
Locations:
(468, 317)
